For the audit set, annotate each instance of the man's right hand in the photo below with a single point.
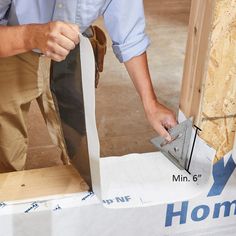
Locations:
(55, 39)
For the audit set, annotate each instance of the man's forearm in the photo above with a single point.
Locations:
(160, 117)
(138, 70)
(14, 40)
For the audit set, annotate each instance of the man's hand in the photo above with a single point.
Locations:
(161, 118)
(55, 39)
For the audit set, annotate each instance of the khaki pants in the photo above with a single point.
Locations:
(23, 78)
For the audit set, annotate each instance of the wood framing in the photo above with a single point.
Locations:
(208, 94)
(39, 183)
(196, 56)
(209, 82)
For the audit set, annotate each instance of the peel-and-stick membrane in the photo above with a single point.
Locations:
(133, 180)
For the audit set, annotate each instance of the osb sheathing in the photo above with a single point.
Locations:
(218, 110)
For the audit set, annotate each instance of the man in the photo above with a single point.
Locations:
(52, 27)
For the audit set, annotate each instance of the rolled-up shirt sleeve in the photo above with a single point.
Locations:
(125, 22)
(4, 6)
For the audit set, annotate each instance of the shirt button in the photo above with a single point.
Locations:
(60, 5)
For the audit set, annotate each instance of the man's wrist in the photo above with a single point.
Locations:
(150, 104)
(29, 36)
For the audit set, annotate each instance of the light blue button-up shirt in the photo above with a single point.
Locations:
(124, 19)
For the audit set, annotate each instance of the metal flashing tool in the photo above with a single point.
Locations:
(176, 150)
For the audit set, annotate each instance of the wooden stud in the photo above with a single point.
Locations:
(196, 56)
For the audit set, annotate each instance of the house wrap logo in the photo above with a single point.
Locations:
(221, 175)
